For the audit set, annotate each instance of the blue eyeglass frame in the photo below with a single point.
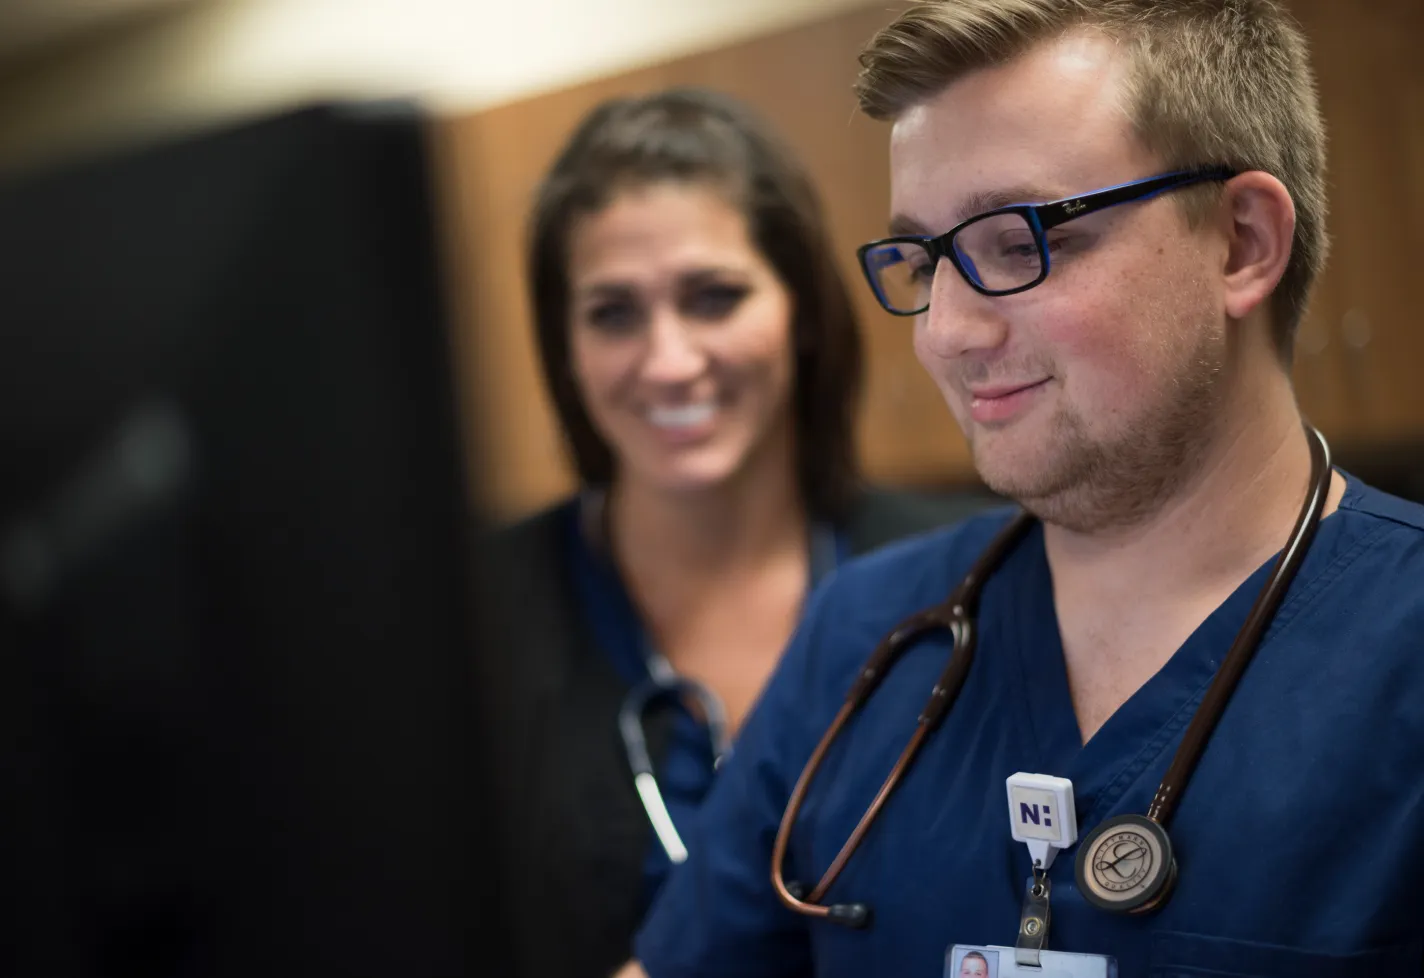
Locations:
(1040, 218)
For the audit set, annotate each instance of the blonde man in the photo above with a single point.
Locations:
(1106, 217)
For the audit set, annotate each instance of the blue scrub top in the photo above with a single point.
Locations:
(686, 772)
(1299, 840)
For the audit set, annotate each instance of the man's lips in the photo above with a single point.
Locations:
(993, 403)
(993, 391)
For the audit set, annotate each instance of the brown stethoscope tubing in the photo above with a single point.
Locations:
(1213, 703)
(956, 614)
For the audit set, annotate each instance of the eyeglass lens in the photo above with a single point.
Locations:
(998, 252)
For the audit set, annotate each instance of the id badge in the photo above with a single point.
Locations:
(970, 961)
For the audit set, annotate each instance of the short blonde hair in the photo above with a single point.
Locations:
(1210, 82)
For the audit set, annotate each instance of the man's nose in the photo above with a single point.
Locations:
(960, 322)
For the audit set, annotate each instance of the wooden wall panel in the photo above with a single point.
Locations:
(800, 80)
(1362, 345)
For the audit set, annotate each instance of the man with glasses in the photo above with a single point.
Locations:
(1106, 219)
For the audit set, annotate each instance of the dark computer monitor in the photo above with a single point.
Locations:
(238, 734)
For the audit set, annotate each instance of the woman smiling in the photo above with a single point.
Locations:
(704, 359)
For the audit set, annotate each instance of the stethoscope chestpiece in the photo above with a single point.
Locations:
(1126, 865)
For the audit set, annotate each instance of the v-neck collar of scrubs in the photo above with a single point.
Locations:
(1154, 717)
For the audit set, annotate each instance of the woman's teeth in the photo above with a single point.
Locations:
(683, 416)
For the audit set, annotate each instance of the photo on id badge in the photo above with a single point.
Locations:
(972, 961)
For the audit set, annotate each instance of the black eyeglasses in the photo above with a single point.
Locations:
(1002, 251)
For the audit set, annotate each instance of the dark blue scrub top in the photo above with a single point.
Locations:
(1300, 840)
(685, 773)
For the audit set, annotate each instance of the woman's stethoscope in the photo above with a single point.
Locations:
(1142, 840)
(664, 685)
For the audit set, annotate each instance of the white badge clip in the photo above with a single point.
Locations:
(1041, 814)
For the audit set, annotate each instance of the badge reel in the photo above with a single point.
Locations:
(1041, 815)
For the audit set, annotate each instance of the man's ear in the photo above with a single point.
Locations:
(1260, 225)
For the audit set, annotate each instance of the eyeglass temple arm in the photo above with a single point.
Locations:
(1060, 211)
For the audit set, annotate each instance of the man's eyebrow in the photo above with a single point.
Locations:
(901, 224)
(975, 203)
(989, 200)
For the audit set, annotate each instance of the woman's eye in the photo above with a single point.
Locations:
(613, 317)
(715, 301)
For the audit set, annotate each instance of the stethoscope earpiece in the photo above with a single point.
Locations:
(856, 916)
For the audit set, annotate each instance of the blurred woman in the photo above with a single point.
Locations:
(704, 359)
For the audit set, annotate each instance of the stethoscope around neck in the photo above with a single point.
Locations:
(1103, 853)
(664, 686)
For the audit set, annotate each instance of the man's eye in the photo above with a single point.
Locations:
(922, 271)
(1068, 244)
